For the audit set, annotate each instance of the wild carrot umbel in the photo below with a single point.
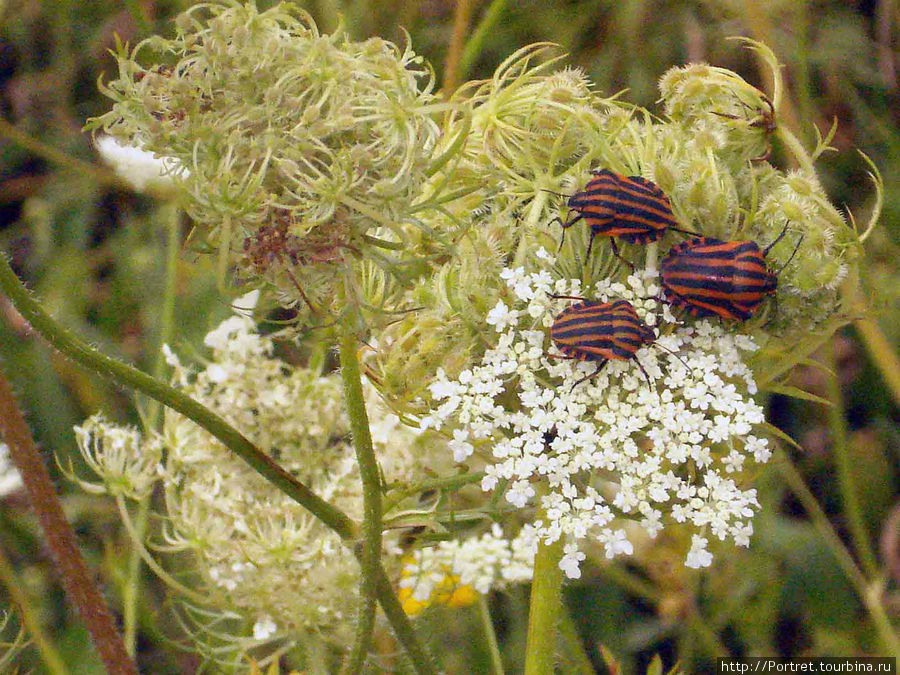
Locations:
(413, 233)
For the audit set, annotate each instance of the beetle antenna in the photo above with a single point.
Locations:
(679, 230)
(666, 349)
(796, 248)
(566, 297)
(777, 239)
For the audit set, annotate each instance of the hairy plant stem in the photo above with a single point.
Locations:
(76, 579)
(490, 635)
(544, 612)
(53, 662)
(370, 554)
(844, 464)
(125, 375)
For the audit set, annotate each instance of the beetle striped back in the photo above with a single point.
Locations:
(630, 207)
(599, 331)
(711, 277)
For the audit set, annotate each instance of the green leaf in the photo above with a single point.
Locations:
(778, 433)
(796, 392)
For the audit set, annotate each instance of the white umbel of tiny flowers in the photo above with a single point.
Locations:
(615, 448)
(140, 168)
(10, 478)
(127, 463)
(489, 561)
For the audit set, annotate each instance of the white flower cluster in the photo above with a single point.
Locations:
(615, 448)
(259, 553)
(10, 478)
(139, 167)
(448, 572)
(128, 464)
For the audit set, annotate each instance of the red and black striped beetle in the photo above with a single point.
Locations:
(630, 207)
(600, 331)
(710, 277)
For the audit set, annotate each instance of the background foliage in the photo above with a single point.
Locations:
(94, 252)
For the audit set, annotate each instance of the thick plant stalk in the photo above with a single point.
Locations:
(370, 554)
(76, 579)
(546, 605)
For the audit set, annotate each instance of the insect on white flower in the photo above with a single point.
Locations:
(618, 447)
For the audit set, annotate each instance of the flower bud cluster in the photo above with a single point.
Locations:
(708, 156)
(297, 145)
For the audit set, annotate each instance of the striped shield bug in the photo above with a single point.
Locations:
(710, 277)
(630, 207)
(600, 331)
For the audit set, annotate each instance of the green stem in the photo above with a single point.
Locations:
(484, 613)
(444, 483)
(869, 593)
(58, 157)
(797, 150)
(370, 555)
(543, 615)
(49, 655)
(844, 465)
(580, 661)
(172, 215)
(122, 374)
(132, 591)
(484, 28)
(882, 354)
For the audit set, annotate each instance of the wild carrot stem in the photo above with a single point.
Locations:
(76, 579)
